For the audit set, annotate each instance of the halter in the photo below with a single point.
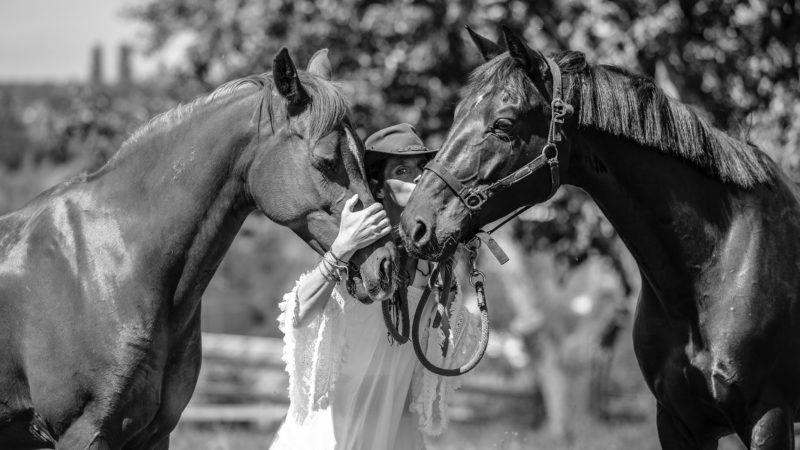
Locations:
(474, 197)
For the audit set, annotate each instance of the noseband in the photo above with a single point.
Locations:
(474, 197)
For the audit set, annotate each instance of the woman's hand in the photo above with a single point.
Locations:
(358, 229)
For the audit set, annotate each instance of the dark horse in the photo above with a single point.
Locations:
(101, 276)
(711, 221)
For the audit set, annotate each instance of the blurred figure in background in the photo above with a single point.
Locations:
(349, 387)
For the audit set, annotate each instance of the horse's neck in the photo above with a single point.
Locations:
(181, 195)
(670, 215)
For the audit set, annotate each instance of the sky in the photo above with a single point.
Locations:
(51, 40)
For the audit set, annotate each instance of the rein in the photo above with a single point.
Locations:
(396, 311)
(474, 197)
(441, 319)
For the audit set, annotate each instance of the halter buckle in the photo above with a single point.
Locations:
(560, 109)
(474, 199)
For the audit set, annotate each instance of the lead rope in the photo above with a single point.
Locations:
(395, 311)
(476, 279)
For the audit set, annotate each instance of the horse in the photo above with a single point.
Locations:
(711, 221)
(101, 277)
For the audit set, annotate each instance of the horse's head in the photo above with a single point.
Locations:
(302, 173)
(499, 127)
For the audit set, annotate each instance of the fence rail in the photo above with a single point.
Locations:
(242, 381)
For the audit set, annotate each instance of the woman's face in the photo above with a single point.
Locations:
(400, 175)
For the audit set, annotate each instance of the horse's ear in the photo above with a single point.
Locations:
(530, 60)
(487, 48)
(320, 65)
(286, 79)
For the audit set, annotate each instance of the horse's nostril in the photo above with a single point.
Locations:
(420, 234)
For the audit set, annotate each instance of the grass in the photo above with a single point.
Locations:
(500, 433)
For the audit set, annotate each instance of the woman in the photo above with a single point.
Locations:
(349, 387)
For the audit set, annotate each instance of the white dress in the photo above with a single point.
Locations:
(350, 389)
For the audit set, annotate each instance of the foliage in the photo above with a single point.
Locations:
(405, 61)
(737, 61)
(15, 139)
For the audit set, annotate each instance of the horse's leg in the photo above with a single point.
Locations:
(772, 429)
(96, 443)
(161, 443)
(99, 444)
(155, 443)
(85, 433)
(674, 434)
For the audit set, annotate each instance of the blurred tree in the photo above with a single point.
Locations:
(405, 60)
(737, 61)
(97, 119)
(402, 61)
(14, 140)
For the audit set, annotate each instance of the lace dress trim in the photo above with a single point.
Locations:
(314, 354)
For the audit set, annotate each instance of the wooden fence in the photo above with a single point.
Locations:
(243, 382)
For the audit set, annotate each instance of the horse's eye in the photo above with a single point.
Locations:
(325, 155)
(502, 124)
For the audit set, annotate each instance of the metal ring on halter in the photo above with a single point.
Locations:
(475, 274)
(474, 199)
(546, 148)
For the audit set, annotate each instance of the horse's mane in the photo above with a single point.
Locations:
(621, 103)
(328, 106)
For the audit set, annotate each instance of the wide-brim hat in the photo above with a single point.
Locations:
(397, 140)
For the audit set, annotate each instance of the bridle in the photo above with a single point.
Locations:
(474, 197)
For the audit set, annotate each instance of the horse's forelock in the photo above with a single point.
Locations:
(500, 74)
(329, 107)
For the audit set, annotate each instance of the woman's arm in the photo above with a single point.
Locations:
(357, 229)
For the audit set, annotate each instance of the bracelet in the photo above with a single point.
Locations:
(331, 259)
(327, 274)
(332, 267)
(327, 271)
(336, 258)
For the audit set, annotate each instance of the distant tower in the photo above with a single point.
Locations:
(96, 74)
(125, 75)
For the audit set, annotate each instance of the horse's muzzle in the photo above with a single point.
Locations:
(376, 277)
